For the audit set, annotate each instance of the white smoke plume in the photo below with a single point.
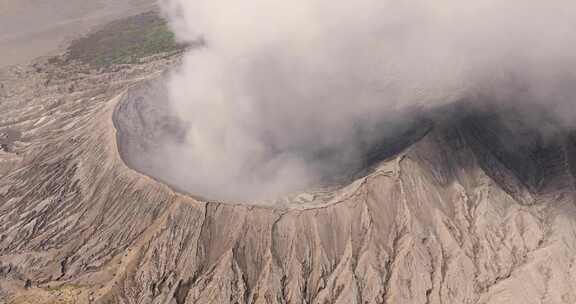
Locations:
(278, 83)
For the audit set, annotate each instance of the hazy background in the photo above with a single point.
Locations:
(285, 90)
(32, 28)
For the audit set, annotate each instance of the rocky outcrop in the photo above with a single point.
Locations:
(466, 214)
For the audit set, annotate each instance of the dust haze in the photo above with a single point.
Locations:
(288, 94)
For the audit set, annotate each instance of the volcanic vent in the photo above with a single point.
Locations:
(153, 140)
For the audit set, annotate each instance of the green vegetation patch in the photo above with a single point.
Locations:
(125, 41)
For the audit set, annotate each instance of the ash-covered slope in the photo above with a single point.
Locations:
(479, 209)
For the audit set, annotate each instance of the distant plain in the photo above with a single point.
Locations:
(32, 28)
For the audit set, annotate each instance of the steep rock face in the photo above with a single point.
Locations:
(464, 215)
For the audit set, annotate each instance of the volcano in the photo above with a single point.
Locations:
(472, 201)
(476, 207)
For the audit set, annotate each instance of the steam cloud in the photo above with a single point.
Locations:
(283, 91)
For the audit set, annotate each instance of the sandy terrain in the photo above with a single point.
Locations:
(32, 28)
